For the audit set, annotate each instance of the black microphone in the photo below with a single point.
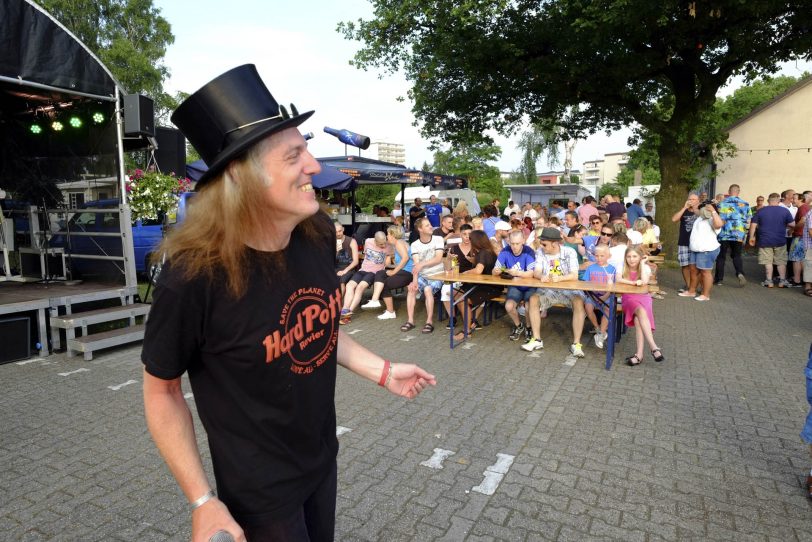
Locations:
(350, 138)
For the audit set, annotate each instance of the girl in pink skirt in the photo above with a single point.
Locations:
(637, 310)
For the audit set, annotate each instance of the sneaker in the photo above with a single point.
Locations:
(387, 315)
(742, 279)
(576, 350)
(784, 283)
(515, 333)
(600, 339)
(720, 283)
(768, 284)
(533, 344)
(371, 304)
(528, 333)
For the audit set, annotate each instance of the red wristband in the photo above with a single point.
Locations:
(384, 373)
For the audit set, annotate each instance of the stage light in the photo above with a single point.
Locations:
(75, 122)
(36, 129)
(57, 126)
(98, 118)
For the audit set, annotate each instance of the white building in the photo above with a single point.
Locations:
(605, 170)
(389, 152)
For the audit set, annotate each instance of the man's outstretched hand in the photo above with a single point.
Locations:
(408, 380)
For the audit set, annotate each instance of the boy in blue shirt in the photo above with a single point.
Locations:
(604, 272)
(519, 260)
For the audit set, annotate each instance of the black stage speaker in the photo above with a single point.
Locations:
(139, 115)
(15, 336)
(171, 152)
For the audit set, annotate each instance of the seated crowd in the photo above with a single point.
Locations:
(553, 245)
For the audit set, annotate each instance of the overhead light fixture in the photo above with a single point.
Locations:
(75, 122)
(98, 118)
(36, 129)
(57, 126)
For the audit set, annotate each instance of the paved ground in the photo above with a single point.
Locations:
(702, 447)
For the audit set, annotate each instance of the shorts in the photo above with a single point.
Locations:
(796, 250)
(704, 260)
(683, 256)
(601, 306)
(513, 293)
(345, 278)
(364, 276)
(772, 255)
(445, 291)
(549, 297)
(423, 282)
(808, 265)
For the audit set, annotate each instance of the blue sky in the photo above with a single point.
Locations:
(303, 60)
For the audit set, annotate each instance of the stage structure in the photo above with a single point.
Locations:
(61, 119)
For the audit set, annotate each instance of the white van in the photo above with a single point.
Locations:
(453, 196)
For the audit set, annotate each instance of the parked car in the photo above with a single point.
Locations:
(146, 236)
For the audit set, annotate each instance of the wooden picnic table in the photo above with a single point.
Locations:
(579, 285)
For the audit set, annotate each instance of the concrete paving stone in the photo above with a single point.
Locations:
(632, 521)
(485, 527)
(720, 533)
(428, 532)
(608, 532)
(543, 527)
(580, 508)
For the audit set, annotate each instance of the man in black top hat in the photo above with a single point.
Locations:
(248, 306)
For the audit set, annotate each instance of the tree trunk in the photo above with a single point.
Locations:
(673, 192)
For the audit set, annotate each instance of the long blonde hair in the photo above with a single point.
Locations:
(640, 264)
(222, 217)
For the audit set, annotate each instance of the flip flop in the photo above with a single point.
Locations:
(408, 326)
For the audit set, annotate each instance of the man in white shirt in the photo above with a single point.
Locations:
(788, 203)
(512, 208)
(427, 254)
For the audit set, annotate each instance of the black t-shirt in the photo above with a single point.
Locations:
(686, 224)
(418, 212)
(462, 260)
(263, 371)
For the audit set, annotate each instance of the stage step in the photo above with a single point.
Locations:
(86, 318)
(98, 341)
(88, 343)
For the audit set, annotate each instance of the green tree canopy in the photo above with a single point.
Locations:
(129, 36)
(471, 160)
(476, 65)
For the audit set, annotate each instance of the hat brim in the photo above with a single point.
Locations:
(239, 147)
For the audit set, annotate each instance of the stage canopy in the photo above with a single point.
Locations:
(57, 101)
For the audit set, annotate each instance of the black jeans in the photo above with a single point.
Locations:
(735, 254)
(314, 521)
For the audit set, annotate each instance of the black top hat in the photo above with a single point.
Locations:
(229, 114)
